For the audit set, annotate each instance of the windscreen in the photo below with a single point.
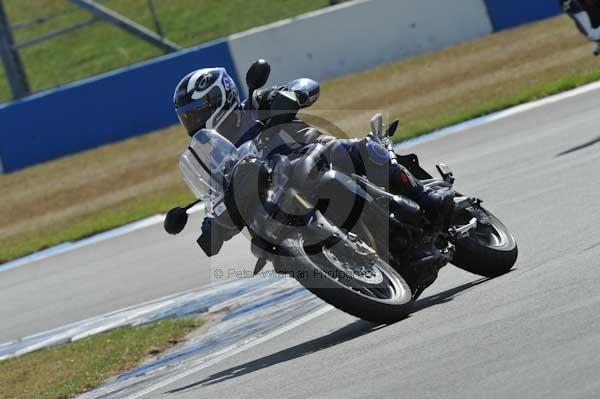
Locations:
(203, 164)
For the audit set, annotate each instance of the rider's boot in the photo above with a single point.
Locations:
(438, 204)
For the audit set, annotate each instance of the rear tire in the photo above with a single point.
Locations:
(311, 272)
(490, 251)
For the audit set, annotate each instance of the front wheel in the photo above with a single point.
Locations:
(490, 250)
(350, 278)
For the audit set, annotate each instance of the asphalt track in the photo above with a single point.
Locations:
(532, 333)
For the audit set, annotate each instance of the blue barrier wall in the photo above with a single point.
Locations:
(97, 111)
(509, 13)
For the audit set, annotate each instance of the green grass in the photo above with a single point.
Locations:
(101, 47)
(66, 370)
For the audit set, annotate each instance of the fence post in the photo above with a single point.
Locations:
(127, 25)
(155, 18)
(11, 60)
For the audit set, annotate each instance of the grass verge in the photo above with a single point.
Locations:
(83, 194)
(67, 370)
(546, 89)
(186, 22)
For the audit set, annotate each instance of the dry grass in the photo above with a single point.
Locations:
(91, 191)
(88, 192)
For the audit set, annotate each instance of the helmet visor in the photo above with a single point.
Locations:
(194, 116)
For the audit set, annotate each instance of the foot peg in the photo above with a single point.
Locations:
(463, 231)
(446, 172)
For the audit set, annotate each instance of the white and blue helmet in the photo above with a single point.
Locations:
(205, 98)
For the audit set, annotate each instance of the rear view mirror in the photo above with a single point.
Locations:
(176, 220)
(258, 74)
(391, 130)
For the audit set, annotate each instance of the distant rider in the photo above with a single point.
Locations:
(586, 14)
(208, 98)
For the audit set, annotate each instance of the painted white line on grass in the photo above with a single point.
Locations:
(461, 127)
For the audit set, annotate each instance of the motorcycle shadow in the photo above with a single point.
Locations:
(578, 147)
(446, 296)
(347, 333)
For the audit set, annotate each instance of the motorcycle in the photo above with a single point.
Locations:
(364, 250)
(586, 15)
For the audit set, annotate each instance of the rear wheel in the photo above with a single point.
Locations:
(350, 277)
(490, 250)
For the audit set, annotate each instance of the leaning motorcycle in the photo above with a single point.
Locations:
(364, 250)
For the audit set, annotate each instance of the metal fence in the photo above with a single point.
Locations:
(97, 10)
(9, 49)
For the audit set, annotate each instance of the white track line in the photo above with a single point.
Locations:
(107, 235)
(153, 220)
(70, 246)
(228, 352)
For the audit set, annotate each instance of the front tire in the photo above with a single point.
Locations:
(489, 251)
(368, 289)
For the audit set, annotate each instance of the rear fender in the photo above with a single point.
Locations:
(411, 162)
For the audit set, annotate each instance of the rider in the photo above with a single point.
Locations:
(208, 98)
(586, 14)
